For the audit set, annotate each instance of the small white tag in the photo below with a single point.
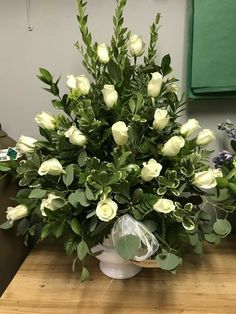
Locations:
(5, 156)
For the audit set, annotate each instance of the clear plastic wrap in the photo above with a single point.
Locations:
(126, 225)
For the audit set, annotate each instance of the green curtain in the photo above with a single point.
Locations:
(213, 59)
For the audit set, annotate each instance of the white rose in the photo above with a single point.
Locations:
(75, 136)
(103, 53)
(205, 179)
(205, 137)
(110, 95)
(150, 170)
(71, 81)
(164, 205)
(26, 144)
(106, 210)
(82, 84)
(188, 128)
(120, 133)
(161, 119)
(154, 85)
(173, 146)
(18, 212)
(47, 203)
(52, 167)
(136, 46)
(46, 120)
(218, 173)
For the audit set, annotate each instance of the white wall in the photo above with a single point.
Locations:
(50, 45)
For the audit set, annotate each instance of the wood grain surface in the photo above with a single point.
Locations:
(45, 284)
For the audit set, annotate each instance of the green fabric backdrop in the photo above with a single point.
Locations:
(213, 59)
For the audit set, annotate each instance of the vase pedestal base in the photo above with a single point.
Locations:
(119, 271)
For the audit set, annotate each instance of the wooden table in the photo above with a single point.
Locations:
(45, 284)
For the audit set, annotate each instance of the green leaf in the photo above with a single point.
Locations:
(81, 198)
(193, 238)
(23, 227)
(84, 275)
(233, 145)
(137, 196)
(197, 249)
(150, 224)
(82, 250)
(204, 215)
(45, 133)
(46, 74)
(139, 102)
(115, 178)
(57, 104)
(222, 182)
(121, 199)
(123, 158)
(114, 71)
(212, 238)
(127, 246)
(68, 177)
(222, 227)
(82, 159)
(70, 246)
(4, 169)
(58, 202)
(46, 231)
(232, 187)
(72, 199)
(165, 65)
(89, 194)
(37, 193)
(169, 261)
(75, 226)
(58, 229)
(188, 224)
(7, 225)
(132, 105)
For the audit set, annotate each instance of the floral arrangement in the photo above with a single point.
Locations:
(116, 148)
(225, 162)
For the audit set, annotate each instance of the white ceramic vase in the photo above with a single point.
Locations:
(112, 265)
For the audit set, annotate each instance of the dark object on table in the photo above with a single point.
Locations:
(12, 249)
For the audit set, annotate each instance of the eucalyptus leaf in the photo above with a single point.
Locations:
(68, 177)
(169, 261)
(211, 238)
(80, 197)
(222, 227)
(127, 246)
(197, 249)
(193, 239)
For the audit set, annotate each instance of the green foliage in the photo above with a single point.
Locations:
(152, 51)
(66, 204)
(168, 261)
(127, 246)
